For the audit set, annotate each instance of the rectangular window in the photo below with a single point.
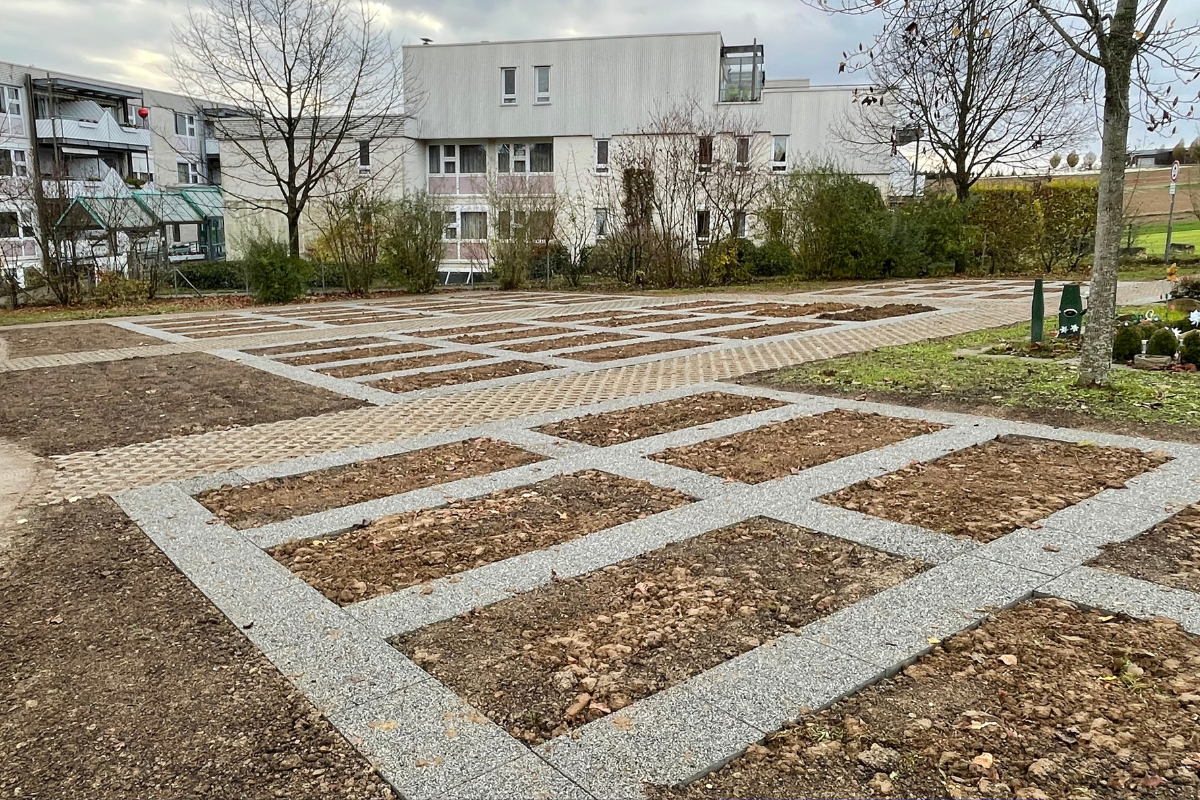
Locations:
(364, 153)
(449, 162)
(474, 225)
(188, 172)
(12, 101)
(541, 157)
(702, 224)
(743, 152)
(9, 226)
(20, 164)
(739, 224)
(450, 230)
(185, 125)
(705, 155)
(176, 233)
(6, 163)
(508, 86)
(504, 224)
(779, 153)
(502, 157)
(472, 159)
(601, 226)
(435, 159)
(541, 79)
(602, 155)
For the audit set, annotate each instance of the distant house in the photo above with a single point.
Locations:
(1152, 157)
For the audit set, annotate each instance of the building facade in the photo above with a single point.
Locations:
(87, 136)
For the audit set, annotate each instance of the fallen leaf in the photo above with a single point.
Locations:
(383, 724)
(1008, 660)
(983, 760)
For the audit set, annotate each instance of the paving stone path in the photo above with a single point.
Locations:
(426, 740)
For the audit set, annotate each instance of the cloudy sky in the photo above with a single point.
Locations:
(129, 40)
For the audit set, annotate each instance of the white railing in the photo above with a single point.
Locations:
(106, 131)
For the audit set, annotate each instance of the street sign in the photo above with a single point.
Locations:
(1172, 189)
(1171, 212)
(1175, 173)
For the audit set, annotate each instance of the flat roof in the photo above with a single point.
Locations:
(563, 39)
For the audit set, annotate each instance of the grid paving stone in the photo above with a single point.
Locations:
(1108, 591)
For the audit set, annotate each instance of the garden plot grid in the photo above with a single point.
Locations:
(429, 742)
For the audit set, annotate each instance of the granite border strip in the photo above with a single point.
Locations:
(1109, 591)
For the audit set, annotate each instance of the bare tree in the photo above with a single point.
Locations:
(1123, 42)
(311, 87)
(977, 78)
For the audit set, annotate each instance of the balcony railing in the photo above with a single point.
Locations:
(104, 133)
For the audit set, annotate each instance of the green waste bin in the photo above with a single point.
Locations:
(1070, 312)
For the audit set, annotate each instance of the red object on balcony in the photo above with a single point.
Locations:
(143, 112)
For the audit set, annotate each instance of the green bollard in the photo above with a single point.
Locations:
(1070, 312)
(1038, 315)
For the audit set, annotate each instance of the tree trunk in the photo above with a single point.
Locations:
(293, 221)
(1095, 363)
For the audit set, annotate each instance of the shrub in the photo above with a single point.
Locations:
(1189, 348)
(1127, 343)
(1005, 222)
(412, 249)
(1162, 343)
(114, 289)
(214, 275)
(275, 276)
(352, 227)
(770, 259)
(1066, 222)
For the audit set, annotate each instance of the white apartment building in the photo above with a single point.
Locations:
(90, 136)
(554, 113)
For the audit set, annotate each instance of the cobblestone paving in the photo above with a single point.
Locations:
(428, 742)
(417, 413)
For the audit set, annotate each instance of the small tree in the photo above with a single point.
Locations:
(1072, 159)
(411, 247)
(351, 228)
(1055, 160)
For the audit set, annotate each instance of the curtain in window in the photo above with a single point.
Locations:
(541, 157)
(474, 224)
(472, 159)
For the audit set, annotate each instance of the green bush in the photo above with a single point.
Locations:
(1005, 223)
(275, 276)
(1066, 222)
(770, 259)
(412, 248)
(1162, 343)
(208, 276)
(1127, 343)
(1189, 348)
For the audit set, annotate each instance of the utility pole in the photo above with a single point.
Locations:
(1171, 213)
(35, 177)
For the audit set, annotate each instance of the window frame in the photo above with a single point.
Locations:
(741, 224)
(540, 98)
(18, 162)
(450, 159)
(703, 225)
(462, 229)
(189, 125)
(600, 227)
(601, 167)
(508, 98)
(461, 160)
(521, 152)
(741, 152)
(450, 223)
(193, 173)
(13, 94)
(704, 154)
(434, 159)
(16, 223)
(364, 154)
(778, 165)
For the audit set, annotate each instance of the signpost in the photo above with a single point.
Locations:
(1171, 212)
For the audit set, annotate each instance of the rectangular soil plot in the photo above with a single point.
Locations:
(632, 350)
(568, 653)
(776, 329)
(304, 347)
(1042, 699)
(396, 364)
(867, 313)
(1168, 553)
(501, 336)
(279, 499)
(407, 549)
(621, 320)
(786, 309)
(618, 427)
(454, 377)
(785, 448)
(698, 324)
(562, 342)
(467, 330)
(991, 489)
(367, 351)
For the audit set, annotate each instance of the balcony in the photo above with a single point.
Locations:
(105, 132)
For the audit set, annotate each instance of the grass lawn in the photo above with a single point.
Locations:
(1154, 237)
(931, 374)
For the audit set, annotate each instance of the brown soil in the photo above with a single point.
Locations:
(629, 318)
(455, 377)
(785, 448)
(991, 489)
(407, 549)
(790, 310)
(395, 364)
(573, 317)
(121, 680)
(983, 405)
(1168, 553)
(363, 320)
(618, 427)
(698, 324)
(632, 350)
(304, 347)
(567, 341)
(368, 351)
(248, 331)
(571, 652)
(776, 329)
(693, 304)
(465, 331)
(44, 341)
(180, 323)
(113, 403)
(524, 333)
(877, 312)
(1042, 701)
(278, 499)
